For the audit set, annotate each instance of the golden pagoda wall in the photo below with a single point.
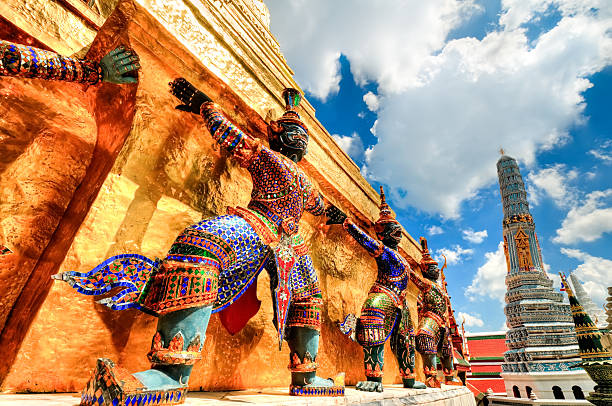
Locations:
(129, 177)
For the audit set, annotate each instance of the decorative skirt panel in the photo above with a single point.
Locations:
(303, 280)
(181, 285)
(428, 336)
(378, 317)
(432, 338)
(235, 246)
(306, 313)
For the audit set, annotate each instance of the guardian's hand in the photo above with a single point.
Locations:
(190, 97)
(119, 66)
(334, 215)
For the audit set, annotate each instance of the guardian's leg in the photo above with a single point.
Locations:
(176, 345)
(303, 331)
(378, 318)
(446, 357)
(182, 292)
(402, 344)
(427, 344)
(373, 362)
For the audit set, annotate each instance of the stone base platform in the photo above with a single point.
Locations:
(393, 395)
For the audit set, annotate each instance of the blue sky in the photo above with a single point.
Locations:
(423, 94)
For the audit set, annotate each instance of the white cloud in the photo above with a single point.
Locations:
(518, 12)
(373, 129)
(489, 281)
(351, 144)
(554, 183)
(455, 254)
(475, 237)
(435, 230)
(384, 41)
(594, 272)
(470, 320)
(589, 221)
(446, 107)
(607, 158)
(371, 100)
(361, 114)
(604, 152)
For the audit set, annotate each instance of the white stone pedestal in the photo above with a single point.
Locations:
(393, 395)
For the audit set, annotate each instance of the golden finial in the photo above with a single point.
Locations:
(501, 151)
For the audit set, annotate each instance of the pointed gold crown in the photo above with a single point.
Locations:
(292, 98)
(427, 259)
(386, 214)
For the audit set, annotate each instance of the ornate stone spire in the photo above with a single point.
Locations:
(541, 334)
(609, 308)
(597, 315)
(596, 359)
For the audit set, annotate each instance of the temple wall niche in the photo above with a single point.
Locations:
(167, 175)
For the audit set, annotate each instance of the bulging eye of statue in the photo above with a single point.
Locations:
(294, 136)
(433, 270)
(292, 141)
(391, 234)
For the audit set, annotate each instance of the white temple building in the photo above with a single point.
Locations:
(542, 345)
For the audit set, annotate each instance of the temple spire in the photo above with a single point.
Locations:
(541, 334)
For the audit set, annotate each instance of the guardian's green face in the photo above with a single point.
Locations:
(292, 142)
(432, 272)
(391, 235)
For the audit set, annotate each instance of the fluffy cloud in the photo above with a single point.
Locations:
(435, 230)
(351, 144)
(475, 237)
(371, 100)
(589, 221)
(519, 12)
(455, 254)
(387, 49)
(604, 152)
(470, 320)
(552, 182)
(445, 107)
(592, 272)
(489, 281)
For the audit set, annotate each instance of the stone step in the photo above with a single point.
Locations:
(393, 395)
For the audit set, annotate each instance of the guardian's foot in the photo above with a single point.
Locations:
(451, 380)
(320, 387)
(411, 383)
(369, 386)
(432, 382)
(110, 385)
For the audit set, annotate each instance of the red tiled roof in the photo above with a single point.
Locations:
(474, 389)
(482, 385)
(476, 368)
(486, 347)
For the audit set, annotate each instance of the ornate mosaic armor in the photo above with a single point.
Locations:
(213, 265)
(433, 315)
(385, 312)
(386, 296)
(30, 62)
(237, 246)
(433, 336)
